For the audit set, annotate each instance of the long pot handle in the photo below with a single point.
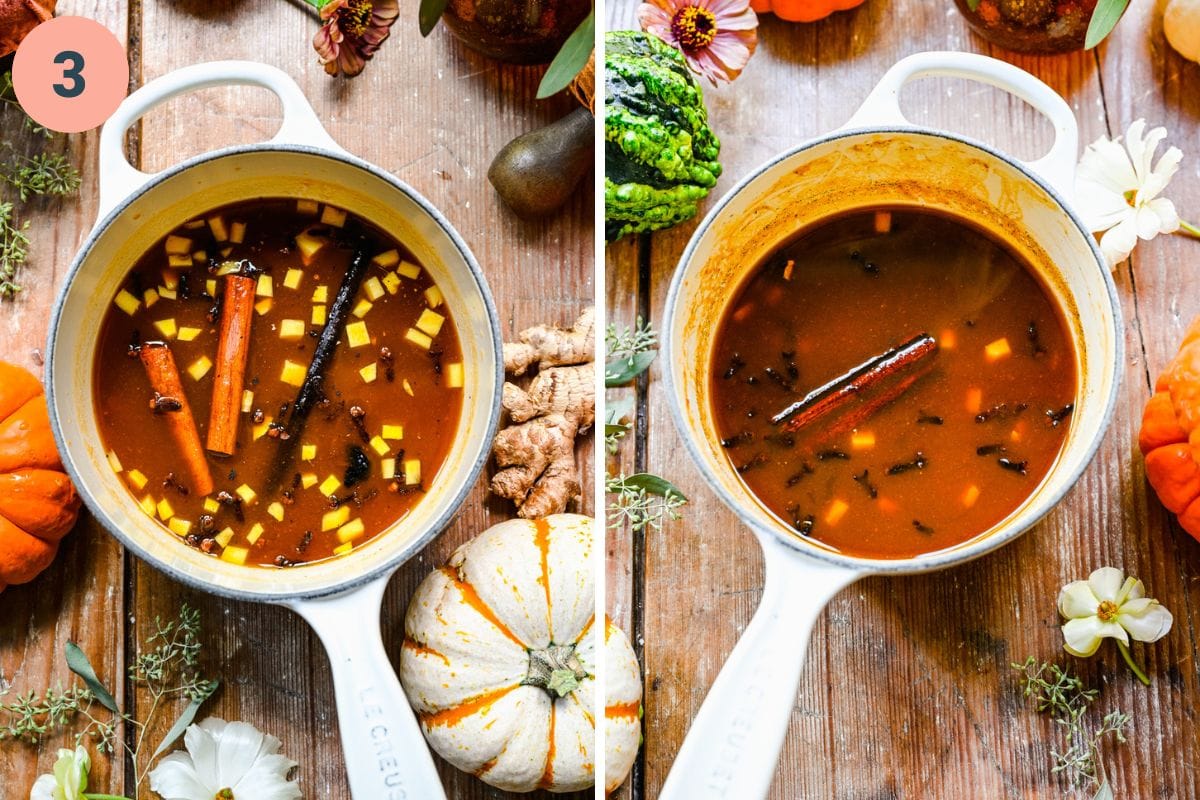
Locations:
(386, 755)
(119, 179)
(1057, 167)
(733, 745)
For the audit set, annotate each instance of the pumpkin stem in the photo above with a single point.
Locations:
(555, 669)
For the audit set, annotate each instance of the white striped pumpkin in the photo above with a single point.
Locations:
(499, 655)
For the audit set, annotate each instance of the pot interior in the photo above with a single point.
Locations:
(865, 170)
(246, 174)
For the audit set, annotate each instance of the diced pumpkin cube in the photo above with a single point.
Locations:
(247, 401)
(263, 307)
(308, 480)
(200, 256)
(136, 479)
(394, 432)
(148, 505)
(307, 207)
(318, 315)
(189, 334)
(997, 350)
(974, 400)
(164, 509)
(292, 279)
(330, 485)
(887, 505)
(418, 338)
(265, 287)
(308, 452)
(391, 282)
(170, 279)
(292, 329)
(361, 308)
(430, 322)
(883, 221)
(200, 367)
(433, 296)
(228, 268)
(357, 335)
(380, 446)
(408, 388)
(862, 440)
(388, 468)
(211, 506)
(183, 261)
(166, 327)
(948, 340)
(225, 251)
(260, 430)
(210, 286)
(219, 230)
(454, 375)
(407, 269)
(351, 530)
(292, 373)
(150, 297)
(247, 494)
(333, 216)
(127, 302)
(167, 294)
(343, 549)
(256, 531)
(837, 509)
(224, 537)
(321, 294)
(309, 245)
(237, 232)
(235, 555)
(179, 526)
(331, 520)
(114, 462)
(373, 288)
(194, 224)
(387, 259)
(176, 245)
(970, 495)
(412, 471)
(276, 511)
(370, 372)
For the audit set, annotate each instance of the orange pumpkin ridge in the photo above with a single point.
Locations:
(541, 538)
(421, 649)
(623, 710)
(473, 599)
(456, 714)
(548, 774)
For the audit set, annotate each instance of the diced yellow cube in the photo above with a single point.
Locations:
(373, 288)
(166, 327)
(200, 367)
(224, 537)
(247, 494)
(862, 440)
(454, 375)
(380, 446)
(210, 286)
(200, 256)
(318, 315)
(127, 302)
(997, 350)
(165, 511)
(970, 495)
(292, 279)
(343, 549)
(370, 372)
(175, 245)
(237, 232)
(321, 294)
(114, 462)
(167, 294)
(308, 452)
(225, 251)
(391, 282)
(148, 505)
(136, 479)
(837, 509)
(170, 279)
(433, 296)
(260, 430)
(276, 511)
(357, 335)
(351, 530)
(183, 261)
(263, 307)
(393, 432)
(333, 216)
(361, 308)
(235, 555)
(217, 226)
(330, 485)
(265, 287)
(211, 506)
(194, 224)
(292, 329)
(412, 471)
(307, 207)
(407, 269)
(189, 334)
(179, 526)
(309, 245)
(331, 520)
(256, 531)
(408, 388)
(150, 297)
(247, 401)
(292, 373)
(388, 465)
(308, 480)
(419, 339)
(430, 322)
(386, 259)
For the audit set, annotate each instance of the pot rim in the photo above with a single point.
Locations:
(373, 567)
(984, 542)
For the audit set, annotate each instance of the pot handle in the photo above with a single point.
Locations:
(386, 755)
(1057, 167)
(119, 179)
(733, 745)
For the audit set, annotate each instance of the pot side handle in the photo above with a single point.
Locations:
(119, 179)
(1057, 167)
(385, 753)
(732, 748)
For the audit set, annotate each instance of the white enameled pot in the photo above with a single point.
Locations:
(878, 158)
(386, 756)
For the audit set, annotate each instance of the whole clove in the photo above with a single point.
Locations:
(163, 403)
(738, 439)
(929, 419)
(735, 364)
(358, 418)
(805, 469)
(864, 480)
(989, 449)
(1058, 416)
(826, 455)
(918, 462)
(1021, 467)
(922, 527)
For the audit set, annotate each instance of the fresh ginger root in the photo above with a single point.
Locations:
(536, 453)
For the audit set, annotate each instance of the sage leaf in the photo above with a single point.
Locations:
(185, 719)
(572, 57)
(1104, 19)
(622, 371)
(78, 662)
(429, 13)
(611, 429)
(653, 484)
(1105, 793)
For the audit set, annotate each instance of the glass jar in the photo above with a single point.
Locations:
(1031, 26)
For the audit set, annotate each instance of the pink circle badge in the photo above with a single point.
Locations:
(70, 74)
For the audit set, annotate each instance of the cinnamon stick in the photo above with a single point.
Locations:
(160, 368)
(233, 348)
(898, 364)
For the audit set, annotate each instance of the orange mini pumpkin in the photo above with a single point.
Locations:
(38, 504)
(1170, 435)
(802, 10)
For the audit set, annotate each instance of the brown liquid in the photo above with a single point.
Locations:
(933, 477)
(429, 415)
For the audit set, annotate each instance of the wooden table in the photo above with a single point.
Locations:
(908, 691)
(434, 114)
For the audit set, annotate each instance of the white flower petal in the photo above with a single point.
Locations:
(1146, 624)
(1118, 242)
(1166, 168)
(1107, 163)
(43, 788)
(1077, 600)
(1082, 636)
(1106, 583)
(267, 780)
(1100, 208)
(201, 743)
(1165, 210)
(174, 778)
(239, 747)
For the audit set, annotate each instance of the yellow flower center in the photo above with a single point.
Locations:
(1131, 198)
(224, 794)
(354, 17)
(694, 28)
(1107, 611)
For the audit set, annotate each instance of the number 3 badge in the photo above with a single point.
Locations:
(70, 74)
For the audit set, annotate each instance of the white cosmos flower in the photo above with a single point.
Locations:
(70, 778)
(1108, 605)
(1117, 190)
(225, 760)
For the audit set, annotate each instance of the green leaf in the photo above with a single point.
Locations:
(615, 430)
(79, 664)
(1105, 793)
(973, 5)
(571, 58)
(429, 14)
(622, 371)
(653, 484)
(185, 719)
(1104, 19)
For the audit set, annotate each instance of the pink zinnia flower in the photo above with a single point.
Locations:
(717, 37)
(352, 32)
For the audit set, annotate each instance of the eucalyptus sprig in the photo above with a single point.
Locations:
(629, 352)
(642, 500)
(1104, 18)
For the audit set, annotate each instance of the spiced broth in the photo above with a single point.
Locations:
(971, 424)
(205, 353)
